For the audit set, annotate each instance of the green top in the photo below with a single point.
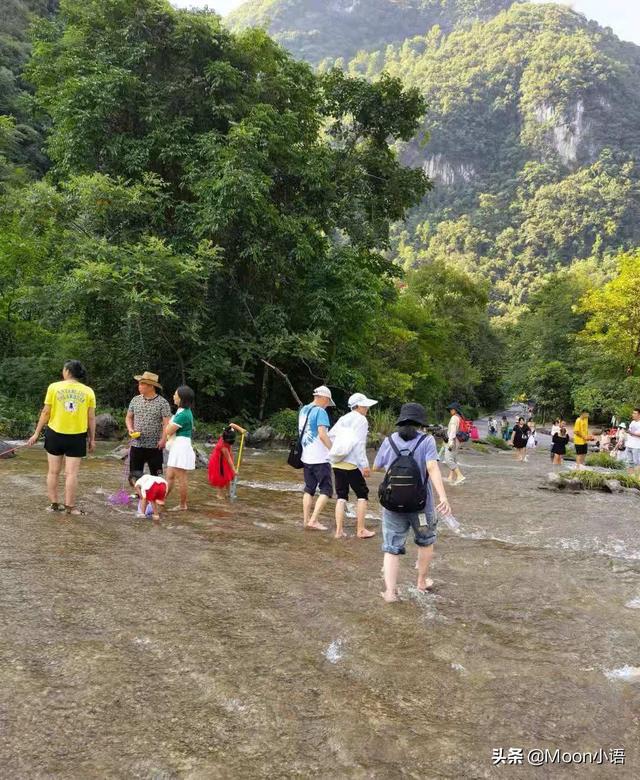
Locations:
(184, 419)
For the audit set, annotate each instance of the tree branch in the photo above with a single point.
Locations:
(286, 379)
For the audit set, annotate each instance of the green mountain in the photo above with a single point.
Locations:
(532, 132)
(20, 130)
(316, 29)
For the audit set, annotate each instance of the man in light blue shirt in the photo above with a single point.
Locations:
(313, 425)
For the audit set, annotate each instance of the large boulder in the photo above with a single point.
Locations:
(106, 426)
(262, 436)
(7, 450)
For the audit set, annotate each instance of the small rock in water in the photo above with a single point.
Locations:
(625, 673)
(458, 667)
(333, 653)
(613, 486)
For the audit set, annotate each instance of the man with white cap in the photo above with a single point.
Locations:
(313, 424)
(350, 463)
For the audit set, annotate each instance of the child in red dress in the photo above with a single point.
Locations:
(221, 466)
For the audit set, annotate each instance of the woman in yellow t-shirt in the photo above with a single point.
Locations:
(69, 413)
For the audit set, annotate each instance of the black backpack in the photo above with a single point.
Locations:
(404, 487)
(295, 452)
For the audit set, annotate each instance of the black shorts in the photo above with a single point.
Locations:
(139, 456)
(350, 478)
(582, 449)
(73, 445)
(318, 475)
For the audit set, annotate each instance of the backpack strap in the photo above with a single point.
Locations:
(304, 427)
(410, 452)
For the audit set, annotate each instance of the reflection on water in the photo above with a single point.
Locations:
(228, 642)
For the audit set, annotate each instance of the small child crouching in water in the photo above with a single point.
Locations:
(151, 491)
(221, 467)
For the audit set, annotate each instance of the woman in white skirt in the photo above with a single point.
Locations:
(531, 441)
(182, 458)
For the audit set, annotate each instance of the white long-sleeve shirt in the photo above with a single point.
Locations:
(359, 426)
(452, 430)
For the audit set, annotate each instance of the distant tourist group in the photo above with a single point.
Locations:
(328, 455)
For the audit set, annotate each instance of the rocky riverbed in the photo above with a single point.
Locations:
(228, 642)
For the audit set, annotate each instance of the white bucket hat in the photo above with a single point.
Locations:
(623, 425)
(324, 392)
(360, 399)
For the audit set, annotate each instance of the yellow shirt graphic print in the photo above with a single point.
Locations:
(70, 403)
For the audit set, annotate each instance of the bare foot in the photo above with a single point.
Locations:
(178, 509)
(389, 597)
(316, 526)
(341, 535)
(366, 534)
(423, 587)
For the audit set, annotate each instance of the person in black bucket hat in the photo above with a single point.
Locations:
(412, 413)
(406, 454)
(453, 445)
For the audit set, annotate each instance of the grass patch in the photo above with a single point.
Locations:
(498, 443)
(382, 423)
(596, 480)
(605, 461)
(479, 446)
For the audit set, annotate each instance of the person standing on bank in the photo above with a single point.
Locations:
(395, 524)
(581, 438)
(453, 445)
(519, 439)
(182, 458)
(148, 415)
(349, 436)
(313, 425)
(633, 443)
(69, 413)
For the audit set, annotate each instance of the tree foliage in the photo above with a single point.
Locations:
(211, 204)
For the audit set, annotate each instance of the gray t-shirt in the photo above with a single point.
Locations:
(422, 454)
(148, 414)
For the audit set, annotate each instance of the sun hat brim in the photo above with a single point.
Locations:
(147, 381)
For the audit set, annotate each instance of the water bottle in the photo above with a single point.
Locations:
(451, 523)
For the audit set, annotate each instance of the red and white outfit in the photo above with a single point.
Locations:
(152, 488)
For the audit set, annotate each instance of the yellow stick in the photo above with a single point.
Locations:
(240, 452)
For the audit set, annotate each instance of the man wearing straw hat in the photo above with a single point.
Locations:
(148, 415)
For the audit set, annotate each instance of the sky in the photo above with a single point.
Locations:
(622, 15)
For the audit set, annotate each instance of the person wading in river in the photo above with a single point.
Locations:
(148, 415)
(633, 443)
(313, 424)
(581, 438)
(519, 439)
(421, 448)
(453, 445)
(349, 437)
(182, 458)
(69, 412)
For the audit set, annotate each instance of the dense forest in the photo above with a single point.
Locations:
(532, 140)
(182, 198)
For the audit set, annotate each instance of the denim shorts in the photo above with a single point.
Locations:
(318, 475)
(396, 526)
(633, 456)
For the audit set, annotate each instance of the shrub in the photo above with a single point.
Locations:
(604, 460)
(498, 443)
(285, 423)
(17, 420)
(382, 423)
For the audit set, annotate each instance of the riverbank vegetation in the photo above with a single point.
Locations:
(212, 208)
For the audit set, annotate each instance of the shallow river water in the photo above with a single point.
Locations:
(228, 642)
